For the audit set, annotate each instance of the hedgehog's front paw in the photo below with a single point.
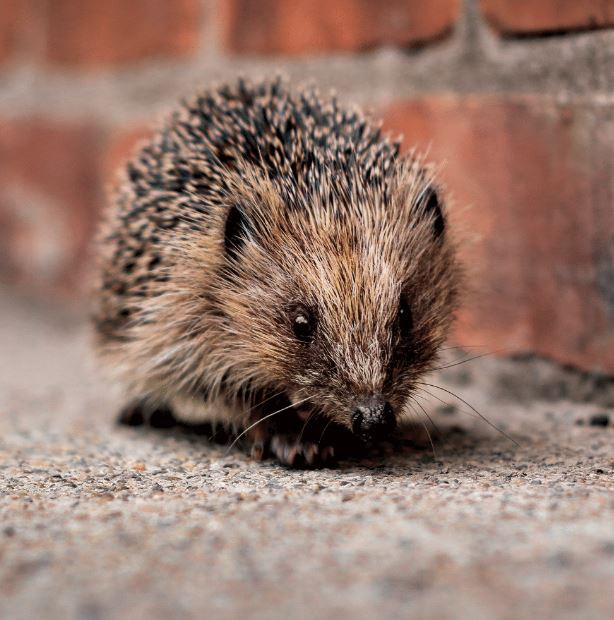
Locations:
(292, 452)
(138, 413)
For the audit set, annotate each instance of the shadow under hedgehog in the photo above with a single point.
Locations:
(271, 263)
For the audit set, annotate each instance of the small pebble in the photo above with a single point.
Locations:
(599, 419)
(447, 409)
(608, 547)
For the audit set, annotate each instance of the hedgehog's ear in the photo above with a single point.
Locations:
(237, 230)
(430, 205)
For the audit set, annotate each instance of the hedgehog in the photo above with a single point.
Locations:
(272, 264)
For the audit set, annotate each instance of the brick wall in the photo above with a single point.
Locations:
(515, 96)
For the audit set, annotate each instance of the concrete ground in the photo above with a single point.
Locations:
(98, 521)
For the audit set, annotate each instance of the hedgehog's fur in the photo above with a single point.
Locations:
(251, 201)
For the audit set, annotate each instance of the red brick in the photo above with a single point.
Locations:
(9, 24)
(53, 182)
(50, 197)
(91, 33)
(539, 178)
(312, 26)
(531, 16)
(16, 22)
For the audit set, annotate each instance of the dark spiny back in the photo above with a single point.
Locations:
(296, 138)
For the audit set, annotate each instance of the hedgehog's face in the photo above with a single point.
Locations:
(344, 315)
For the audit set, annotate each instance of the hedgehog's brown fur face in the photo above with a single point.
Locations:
(345, 310)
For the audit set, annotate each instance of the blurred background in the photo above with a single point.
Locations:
(515, 97)
(515, 100)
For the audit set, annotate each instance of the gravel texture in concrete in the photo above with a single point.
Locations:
(98, 521)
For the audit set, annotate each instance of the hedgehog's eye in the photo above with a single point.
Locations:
(405, 320)
(303, 324)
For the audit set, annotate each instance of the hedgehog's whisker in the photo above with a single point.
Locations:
(438, 387)
(324, 431)
(427, 415)
(444, 402)
(266, 400)
(266, 417)
(464, 346)
(441, 400)
(469, 359)
(312, 415)
(424, 426)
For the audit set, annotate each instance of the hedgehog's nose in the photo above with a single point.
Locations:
(373, 419)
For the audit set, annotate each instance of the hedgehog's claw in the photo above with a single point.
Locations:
(257, 451)
(301, 454)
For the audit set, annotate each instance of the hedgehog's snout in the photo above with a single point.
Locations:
(373, 419)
